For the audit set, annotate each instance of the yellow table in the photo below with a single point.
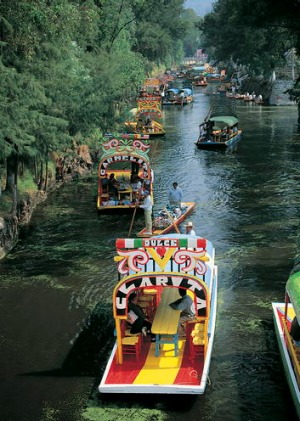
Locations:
(165, 323)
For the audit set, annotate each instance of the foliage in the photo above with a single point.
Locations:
(255, 33)
(68, 66)
(193, 38)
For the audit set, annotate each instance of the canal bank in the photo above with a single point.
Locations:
(12, 223)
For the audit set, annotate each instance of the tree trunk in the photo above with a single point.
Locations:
(46, 175)
(41, 178)
(11, 172)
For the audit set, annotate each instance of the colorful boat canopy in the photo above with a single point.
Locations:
(293, 291)
(152, 82)
(149, 106)
(157, 254)
(131, 148)
(162, 261)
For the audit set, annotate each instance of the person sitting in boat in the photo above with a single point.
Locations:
(136, 184)
(189, 229)
(228, 132)
(104, 182)
(175, 195)
(184, 304)
(295, 331)
(139, 124)
(136, 317)
(113, 184)
(224, 135)
(149, 124)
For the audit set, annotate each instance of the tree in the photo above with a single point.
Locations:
(246, 32)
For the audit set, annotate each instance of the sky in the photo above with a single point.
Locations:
(201, 7)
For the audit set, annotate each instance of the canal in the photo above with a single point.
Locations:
(56, 285)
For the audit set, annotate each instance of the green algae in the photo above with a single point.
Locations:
(113, 413)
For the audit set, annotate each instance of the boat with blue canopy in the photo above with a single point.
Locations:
(178, 96)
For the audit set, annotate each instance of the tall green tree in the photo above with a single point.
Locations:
(247, 32)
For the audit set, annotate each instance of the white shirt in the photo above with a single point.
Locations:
(191, 232)
(147, 205)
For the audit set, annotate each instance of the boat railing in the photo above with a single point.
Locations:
(291, 350)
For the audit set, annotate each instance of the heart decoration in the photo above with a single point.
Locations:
(161, 251)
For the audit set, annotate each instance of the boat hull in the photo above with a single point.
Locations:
(155, 132)
(278, 314)
(231, 143)
(190, 207)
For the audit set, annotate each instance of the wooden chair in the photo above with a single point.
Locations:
(195, 335)
(131, 342)
(147, 301)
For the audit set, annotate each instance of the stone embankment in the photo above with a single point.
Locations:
(11, 225)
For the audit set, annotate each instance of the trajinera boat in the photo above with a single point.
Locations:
(284, 314)
(219, 129)
(156, 269)
(124, 172)
(147, 116)
(168, 219)
(219, 132)
(178, 96)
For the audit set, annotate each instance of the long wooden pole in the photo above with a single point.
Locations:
(133, 216)
(173, 221)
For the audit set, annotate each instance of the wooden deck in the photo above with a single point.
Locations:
(165, 369)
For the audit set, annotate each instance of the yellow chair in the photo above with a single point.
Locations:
(131, 342)
(196, 340)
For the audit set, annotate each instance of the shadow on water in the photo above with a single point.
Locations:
(88, 357)
(90, 348)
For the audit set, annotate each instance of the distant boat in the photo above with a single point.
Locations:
(219, 132)
(146, 120)
(178, 96)
(200, 82)
(284, 314)
(153, 129)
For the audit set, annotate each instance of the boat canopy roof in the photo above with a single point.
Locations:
(187, 91)
(213, 74)
(174, 90)
(149, 106)
(200, 68)
(222, 121)
(293, 291)
(124, 149)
